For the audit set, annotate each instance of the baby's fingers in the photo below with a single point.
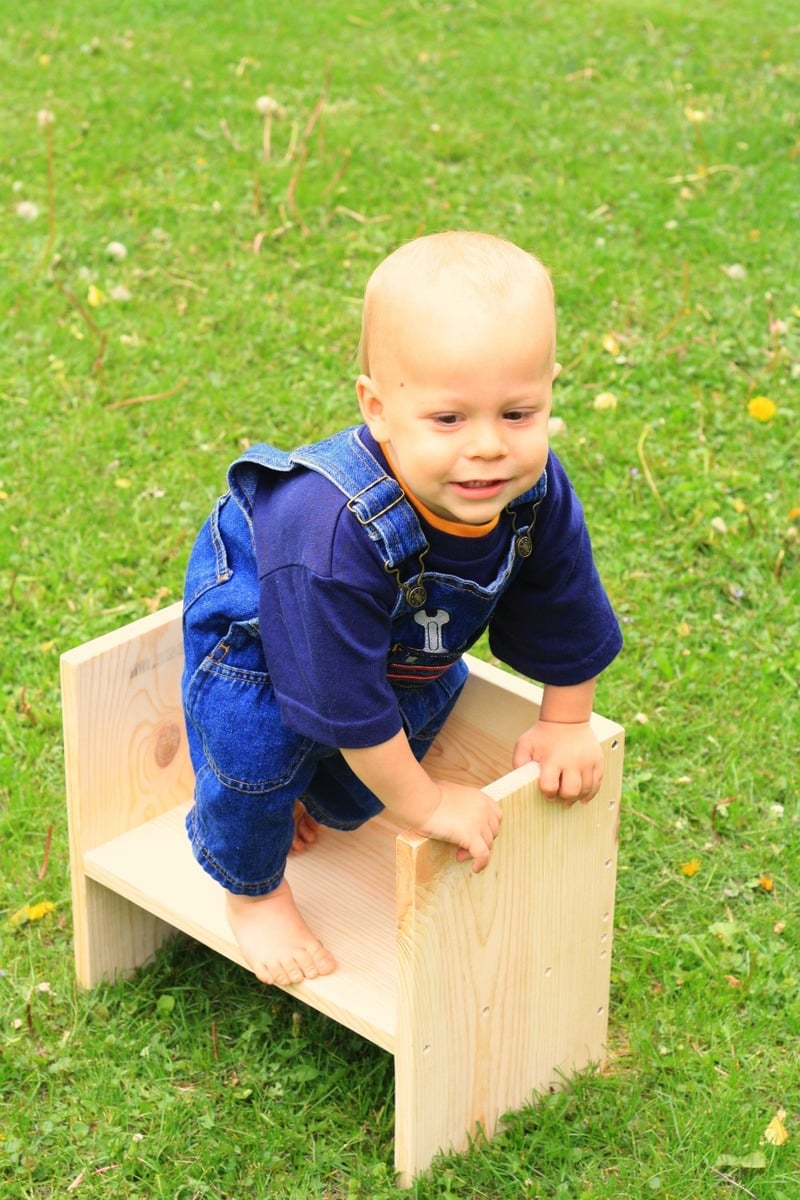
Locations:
(481, 848)
(480, 857)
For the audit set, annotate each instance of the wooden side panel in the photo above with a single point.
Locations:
(112, 936)
(126, 760)
(503, 977)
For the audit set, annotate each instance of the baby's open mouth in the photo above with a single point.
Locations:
(478, 484)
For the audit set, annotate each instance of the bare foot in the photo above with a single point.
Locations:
(306, 828)
(275, 940)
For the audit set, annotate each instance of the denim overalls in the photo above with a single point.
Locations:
(249, 766)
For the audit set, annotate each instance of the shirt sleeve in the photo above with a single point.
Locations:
(555, 623)
(325, 614)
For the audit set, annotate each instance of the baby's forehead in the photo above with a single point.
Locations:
(447, 261)
(441, 278)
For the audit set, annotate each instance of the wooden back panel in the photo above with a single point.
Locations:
(125, 745)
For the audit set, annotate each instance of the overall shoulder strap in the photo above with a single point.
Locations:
(374, 497)
(243, 474)
(534, 494)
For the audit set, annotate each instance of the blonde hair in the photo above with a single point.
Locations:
(464, 260)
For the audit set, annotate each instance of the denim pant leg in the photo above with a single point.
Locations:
(336, 797)
(249, 767)
(242, 839)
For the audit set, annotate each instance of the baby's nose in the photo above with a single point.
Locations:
(487, 441)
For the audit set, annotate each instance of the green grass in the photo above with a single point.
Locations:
(570, 129)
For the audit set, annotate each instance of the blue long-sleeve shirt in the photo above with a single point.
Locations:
(322, 577)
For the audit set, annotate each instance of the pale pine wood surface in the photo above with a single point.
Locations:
(486, 988)
(504, 976)
(126, 761)
(124, 736)
(344, 886)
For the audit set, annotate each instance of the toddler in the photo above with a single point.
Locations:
(333, 591)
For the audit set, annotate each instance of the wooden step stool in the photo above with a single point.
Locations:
(486, 988)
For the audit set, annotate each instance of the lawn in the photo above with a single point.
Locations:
(170, 294)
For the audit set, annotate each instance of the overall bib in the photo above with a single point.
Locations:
(250, 767)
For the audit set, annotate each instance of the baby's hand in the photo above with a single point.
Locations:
(468, 818)
(569, 757)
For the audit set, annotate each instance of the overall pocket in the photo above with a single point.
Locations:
(231, 702)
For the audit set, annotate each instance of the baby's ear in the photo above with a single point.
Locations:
(372, 409)
(556, 371)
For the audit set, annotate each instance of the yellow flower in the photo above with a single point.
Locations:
(775, 1133)
(691, 868)
(761, 408)
(31, 912)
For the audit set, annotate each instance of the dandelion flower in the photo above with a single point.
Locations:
(270, 110)
(761, 408)
(267, 106)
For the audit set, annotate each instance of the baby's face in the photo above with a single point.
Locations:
(462, 401)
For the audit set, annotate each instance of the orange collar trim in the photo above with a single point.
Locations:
(458, 528)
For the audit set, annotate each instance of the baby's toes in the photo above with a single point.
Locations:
(315, 960)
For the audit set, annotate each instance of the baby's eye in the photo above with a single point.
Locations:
(446, 418)
(515, 415)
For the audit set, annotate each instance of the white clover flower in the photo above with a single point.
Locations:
(27, 210)
(117, 251)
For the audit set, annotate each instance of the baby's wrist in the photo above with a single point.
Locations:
(568, 705)
(418, 809)
(571, 722)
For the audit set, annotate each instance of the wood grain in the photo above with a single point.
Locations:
(487, 988)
